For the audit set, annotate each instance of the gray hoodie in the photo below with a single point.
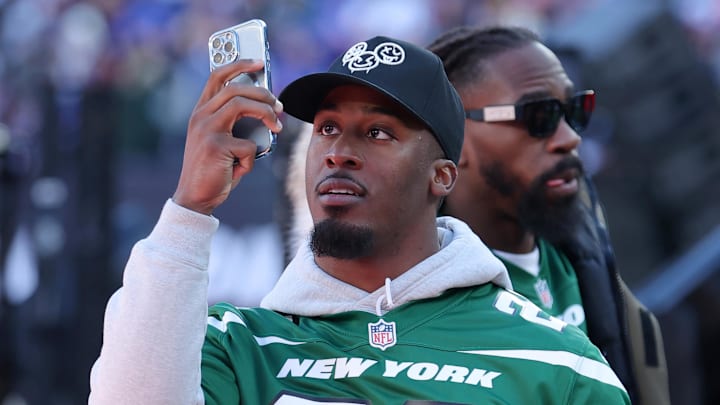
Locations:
(155, 323)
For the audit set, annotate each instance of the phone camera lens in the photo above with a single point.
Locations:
(228, 47)
(216, 43)
(217, 57)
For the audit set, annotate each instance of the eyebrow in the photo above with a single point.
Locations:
(368, 109)
(540, 95)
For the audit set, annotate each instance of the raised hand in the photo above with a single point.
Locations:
(214, 161)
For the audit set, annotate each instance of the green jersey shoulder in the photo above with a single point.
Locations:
(555, 288)
(471, 345)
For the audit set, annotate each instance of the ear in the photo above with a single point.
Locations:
(444, 175)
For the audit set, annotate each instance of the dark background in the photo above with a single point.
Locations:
(95, 97)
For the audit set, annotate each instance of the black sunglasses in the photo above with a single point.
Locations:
(541, 117)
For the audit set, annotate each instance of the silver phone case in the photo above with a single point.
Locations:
(247, 40)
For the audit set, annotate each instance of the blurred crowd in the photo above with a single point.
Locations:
(95, 97)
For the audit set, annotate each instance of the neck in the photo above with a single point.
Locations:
(498, 229)
(507, 236)
(389, 260)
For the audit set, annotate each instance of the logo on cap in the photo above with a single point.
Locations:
(358, 58)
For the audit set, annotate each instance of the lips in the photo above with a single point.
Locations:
(336, 191)
(564, 182)
(563, 177)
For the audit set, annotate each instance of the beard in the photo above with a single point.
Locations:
(335, 239)
(554, 220)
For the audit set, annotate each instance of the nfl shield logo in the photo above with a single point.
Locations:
(543, 291)
(382, 334)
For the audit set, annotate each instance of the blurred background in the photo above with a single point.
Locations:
(94, 102)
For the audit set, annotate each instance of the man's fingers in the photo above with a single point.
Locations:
(238, 107)
(234, 90)
(214, 160)
(222, 75)
(243, 164)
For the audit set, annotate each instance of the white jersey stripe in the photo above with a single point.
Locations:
(262, 341)
(230, 317)
(582, 365)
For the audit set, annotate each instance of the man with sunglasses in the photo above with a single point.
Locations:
(522, 189)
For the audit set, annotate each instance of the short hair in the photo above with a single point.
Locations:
(465, 50)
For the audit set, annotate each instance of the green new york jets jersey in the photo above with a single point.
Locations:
(476, 345)
(555, 289)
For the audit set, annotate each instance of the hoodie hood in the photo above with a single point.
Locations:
(463, 260)
(301, 222)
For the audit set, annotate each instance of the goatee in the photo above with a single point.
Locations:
(554, 220)
(339, 240)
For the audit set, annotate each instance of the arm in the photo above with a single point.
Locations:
(155, 324)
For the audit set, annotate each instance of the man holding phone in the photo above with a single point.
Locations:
(384, 304)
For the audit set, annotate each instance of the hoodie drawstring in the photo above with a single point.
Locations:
(387, 296)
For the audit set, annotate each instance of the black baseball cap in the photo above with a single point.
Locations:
(409, 74)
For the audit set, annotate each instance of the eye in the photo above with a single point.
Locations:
(327, 129)
(379, 134)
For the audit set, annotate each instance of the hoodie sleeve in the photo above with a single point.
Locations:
(155, 323)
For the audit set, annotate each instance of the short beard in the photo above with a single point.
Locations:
(341, 241)
(553, 220)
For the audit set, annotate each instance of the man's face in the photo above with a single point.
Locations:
(367, 173)
(512, 173)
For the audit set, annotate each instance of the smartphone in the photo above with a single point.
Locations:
(247, 40)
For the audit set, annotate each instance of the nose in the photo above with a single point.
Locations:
(343, 153)
(564, 140)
